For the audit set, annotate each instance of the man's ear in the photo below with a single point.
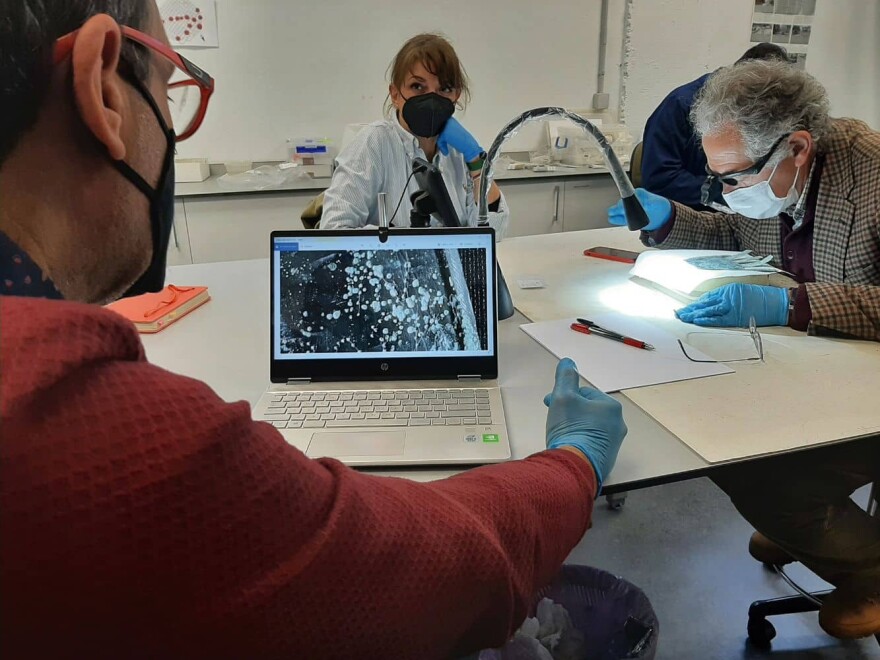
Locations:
(98, 89)
(801, 143)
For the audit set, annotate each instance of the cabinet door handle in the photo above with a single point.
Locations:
(581, 185)
(174, 233)
(555, 204)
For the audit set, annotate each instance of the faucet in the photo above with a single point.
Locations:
(636, 218)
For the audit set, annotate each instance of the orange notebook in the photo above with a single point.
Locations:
(153, 312)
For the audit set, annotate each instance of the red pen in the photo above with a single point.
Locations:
(591, 328)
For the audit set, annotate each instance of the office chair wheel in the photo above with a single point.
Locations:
(761, 632)
(615, 501)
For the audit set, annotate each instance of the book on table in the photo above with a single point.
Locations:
(153, 312)
(688, 274)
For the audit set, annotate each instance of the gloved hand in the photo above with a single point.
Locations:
(658, 209)
(456, 136)
(584, 418)
(732, 304)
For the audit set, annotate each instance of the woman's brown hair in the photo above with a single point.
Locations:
(438, 56)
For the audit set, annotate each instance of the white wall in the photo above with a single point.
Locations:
(286, 69)
(671, 42)
(845, 56)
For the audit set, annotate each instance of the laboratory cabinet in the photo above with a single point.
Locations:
(553, 205)
(232, 227)
(236, 227)
(535, 207)
(179, 253)
(586, 202)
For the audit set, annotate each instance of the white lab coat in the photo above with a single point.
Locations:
(379, 159)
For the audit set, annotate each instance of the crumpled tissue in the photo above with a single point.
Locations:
(549, 635)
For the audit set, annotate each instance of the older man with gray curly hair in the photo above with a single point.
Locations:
(804, 188)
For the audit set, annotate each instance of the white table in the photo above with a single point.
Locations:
(811, 391)
(226, 344)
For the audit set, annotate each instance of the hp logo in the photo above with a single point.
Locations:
(384, 366)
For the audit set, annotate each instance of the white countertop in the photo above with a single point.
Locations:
(211, 185)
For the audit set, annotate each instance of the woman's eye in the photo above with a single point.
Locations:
(448, 90)
(416, 87)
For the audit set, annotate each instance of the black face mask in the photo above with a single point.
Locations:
(427, 114)
(161, 205)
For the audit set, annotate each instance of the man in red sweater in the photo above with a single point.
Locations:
(143, 516)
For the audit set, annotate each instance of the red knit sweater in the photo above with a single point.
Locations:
(144, 517)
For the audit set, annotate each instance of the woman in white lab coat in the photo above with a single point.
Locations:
(427, 83)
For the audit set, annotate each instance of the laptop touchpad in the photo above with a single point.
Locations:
(357, 443)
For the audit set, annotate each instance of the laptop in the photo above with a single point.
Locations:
(384, 346)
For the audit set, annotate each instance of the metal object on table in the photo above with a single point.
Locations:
(383, 210)
(636, 218)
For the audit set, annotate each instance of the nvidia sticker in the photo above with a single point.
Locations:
(491, 437)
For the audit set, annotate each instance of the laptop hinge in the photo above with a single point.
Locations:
(299, 381)
(471, 379)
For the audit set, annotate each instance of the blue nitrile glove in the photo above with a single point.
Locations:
(456, 136)
(584, 418)
(658, 209)
(732, 304)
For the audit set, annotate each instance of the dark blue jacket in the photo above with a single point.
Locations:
(673, 162)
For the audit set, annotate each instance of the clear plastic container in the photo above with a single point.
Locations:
(310, 150)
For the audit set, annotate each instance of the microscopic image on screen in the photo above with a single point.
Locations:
(383, 301)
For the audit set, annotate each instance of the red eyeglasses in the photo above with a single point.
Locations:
(188, 93)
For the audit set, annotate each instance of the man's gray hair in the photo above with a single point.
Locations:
(762, 101)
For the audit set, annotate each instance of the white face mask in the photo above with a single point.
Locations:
(759, 201)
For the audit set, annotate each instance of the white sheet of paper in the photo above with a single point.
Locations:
(611, 366)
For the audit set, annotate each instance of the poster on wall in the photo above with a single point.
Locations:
(788, 23)
(190, 23)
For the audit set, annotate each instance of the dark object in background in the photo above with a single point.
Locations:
(434, 200)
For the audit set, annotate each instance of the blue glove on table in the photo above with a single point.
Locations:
(658, 209)
(584, 418)
(732, 305)
(456, 136)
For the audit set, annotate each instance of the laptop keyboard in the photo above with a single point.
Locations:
(341, 409)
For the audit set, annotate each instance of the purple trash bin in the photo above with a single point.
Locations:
(615, 616)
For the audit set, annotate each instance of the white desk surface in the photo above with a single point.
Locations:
(225, 343)
(811, 391)
(760, 410)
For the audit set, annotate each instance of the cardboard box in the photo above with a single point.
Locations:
(191, 170)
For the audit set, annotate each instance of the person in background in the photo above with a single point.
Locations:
(673, 162)
(805, 188)
(143, 516)
(428, 83)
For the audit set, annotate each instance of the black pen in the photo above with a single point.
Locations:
(616, 336)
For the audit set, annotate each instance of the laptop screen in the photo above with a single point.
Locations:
(348, 295)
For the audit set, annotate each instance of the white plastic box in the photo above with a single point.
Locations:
(191, 170)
